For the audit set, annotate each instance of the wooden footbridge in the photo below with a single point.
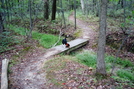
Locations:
(74, 44)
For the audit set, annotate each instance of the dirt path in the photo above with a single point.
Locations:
(87, 32)
(29, 74)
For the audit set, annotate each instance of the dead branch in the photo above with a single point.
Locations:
(58, 39)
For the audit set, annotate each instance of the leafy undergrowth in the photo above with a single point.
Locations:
(67, 72)
(45, 40)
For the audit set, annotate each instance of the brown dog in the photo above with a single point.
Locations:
(67, 45)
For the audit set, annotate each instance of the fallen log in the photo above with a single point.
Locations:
(4, 79)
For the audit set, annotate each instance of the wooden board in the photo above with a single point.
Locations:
(75, 44)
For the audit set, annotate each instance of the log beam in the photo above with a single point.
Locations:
(4, 79)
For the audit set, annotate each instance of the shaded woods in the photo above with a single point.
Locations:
(28, 28)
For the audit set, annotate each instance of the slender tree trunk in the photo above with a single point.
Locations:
(29, 35)
(54, 10)
(102, 39)
(98, 8)
(1, 23)
(83, 6)
(75, 12)
(46, 11)
(62, 11)
(7, 9)
(1, 17)
(31, 22)
(94, 6)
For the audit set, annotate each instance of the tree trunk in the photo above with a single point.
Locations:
(102, 39)
(82, 6)
(46, 11)
(1, 17)
(63, 17)
(94, 6)
(98, 8)
(1, 23)
(4, 79)
(29, 35)
(54, 10)
(75, 12)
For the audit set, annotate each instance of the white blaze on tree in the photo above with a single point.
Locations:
(102, 39)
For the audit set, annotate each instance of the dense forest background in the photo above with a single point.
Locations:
(28, 24)
(27, 14)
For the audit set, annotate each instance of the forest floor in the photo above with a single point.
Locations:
(28, 73)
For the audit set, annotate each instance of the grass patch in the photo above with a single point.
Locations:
(118, 61)
(46, 40)
(126, 75)
(87, 58)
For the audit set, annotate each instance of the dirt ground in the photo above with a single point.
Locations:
(28, 73)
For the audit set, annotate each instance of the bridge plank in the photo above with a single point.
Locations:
(74, 44)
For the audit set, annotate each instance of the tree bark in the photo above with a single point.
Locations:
(29, 35)
(1, 17)
(102, 39)
(46, 9)
(62, 11)
(75, 12)
(94, 6)
(4, 79)
(82, 6)
(1, 23)
(54, 10)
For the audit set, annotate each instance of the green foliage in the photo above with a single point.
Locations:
(124, 63)
(18, 30)
(6, 41)
(87, 58)
(109, 59)
(46, 40)
(119, 61)
(126, 75)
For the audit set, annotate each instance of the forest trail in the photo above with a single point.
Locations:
(87, 32)
(29, 74)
